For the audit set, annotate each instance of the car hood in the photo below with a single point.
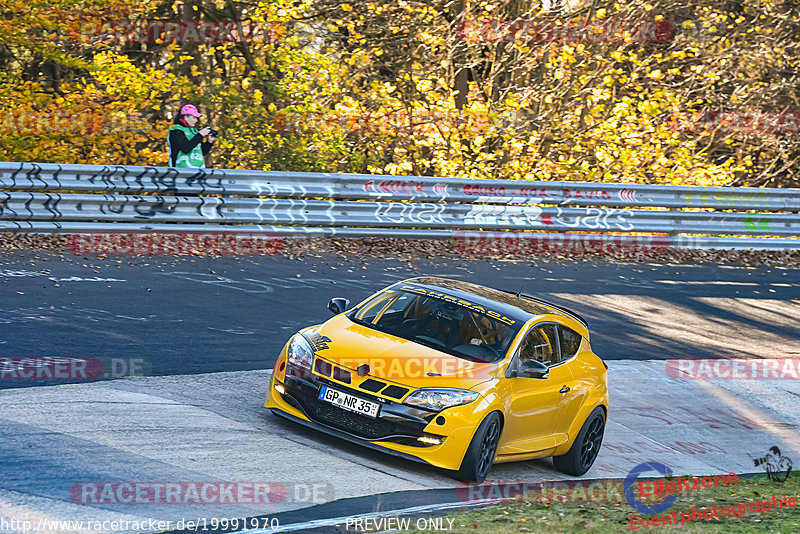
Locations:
(392, 358)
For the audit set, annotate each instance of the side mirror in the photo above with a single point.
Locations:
(532, 369)
(338, 305)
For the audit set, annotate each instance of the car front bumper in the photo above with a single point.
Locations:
(396, 430)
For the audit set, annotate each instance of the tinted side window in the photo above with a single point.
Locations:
(540, 344)
(570, 341)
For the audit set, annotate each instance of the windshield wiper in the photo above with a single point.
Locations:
(359, 321)
(370, 325)
(467, 357)
(443, 348)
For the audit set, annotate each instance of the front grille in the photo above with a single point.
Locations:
(322, 367)
(350, 422)
(390, 422)
(299, 372)
(395, 392)
(371, 385)
(341, 375)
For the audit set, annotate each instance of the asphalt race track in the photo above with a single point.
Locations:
(204, 315)
(205, 332)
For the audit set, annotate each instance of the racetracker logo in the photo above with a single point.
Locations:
(69, 123)
(532, 243)
(50, 122)
(747, 122)
(94, 493)
(571, 491)
(57, 368)
(151, 32)
(400, 369)
(179, 244)
(734, 369)
(534, 31)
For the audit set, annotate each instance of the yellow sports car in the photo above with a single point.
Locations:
(452, 374)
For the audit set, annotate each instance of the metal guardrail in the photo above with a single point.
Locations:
(41, 198)
(133, 180)
(290, 212)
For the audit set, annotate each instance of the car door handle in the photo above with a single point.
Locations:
(564, 390)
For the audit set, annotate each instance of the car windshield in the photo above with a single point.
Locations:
(445, 325)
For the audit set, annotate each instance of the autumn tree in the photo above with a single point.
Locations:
(665, 91)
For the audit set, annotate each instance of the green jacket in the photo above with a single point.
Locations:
(192, 159)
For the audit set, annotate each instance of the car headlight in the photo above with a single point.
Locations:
(300, 352)
(440, 398)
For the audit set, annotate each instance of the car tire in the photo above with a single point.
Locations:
(584, 450)
(479, 457)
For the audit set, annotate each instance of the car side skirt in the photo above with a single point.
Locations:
(504, 458)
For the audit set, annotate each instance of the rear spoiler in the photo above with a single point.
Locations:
(560, 308)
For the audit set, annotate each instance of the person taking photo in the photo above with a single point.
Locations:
(185, 142)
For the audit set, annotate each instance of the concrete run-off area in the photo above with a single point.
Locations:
(107, 451)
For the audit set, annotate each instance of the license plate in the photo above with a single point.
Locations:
(349, 402)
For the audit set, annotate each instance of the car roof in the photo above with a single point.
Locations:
(508, 303)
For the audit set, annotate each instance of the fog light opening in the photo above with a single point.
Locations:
(280, 389)
(430, 440)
